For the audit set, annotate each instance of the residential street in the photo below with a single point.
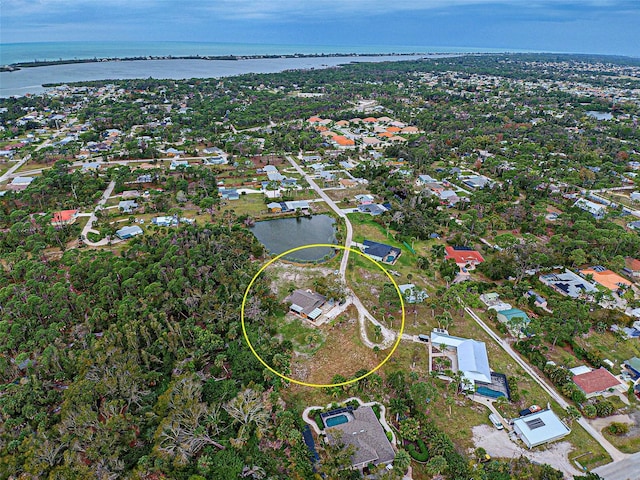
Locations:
(88, 227)
(616, 454)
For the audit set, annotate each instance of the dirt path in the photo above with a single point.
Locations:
(497, 444)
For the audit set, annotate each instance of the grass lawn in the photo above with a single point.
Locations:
(615, 350)
(629, 443)
(252, 205)
(342, 353)
(32, 165)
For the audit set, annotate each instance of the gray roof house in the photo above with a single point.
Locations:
(306, 303)
(598, 211)
(568, 284)
(539, 428)
(127, 206)
(128, 232)
(364, 432)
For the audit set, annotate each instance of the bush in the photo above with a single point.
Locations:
(590, 411)
(604, 408)
(618, 428)
(420, 454)
(318, 419)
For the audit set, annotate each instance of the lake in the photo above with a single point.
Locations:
(284, 234)
(599, 115)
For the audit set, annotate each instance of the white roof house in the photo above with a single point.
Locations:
(595, 209)
(22, 180)
(412, 294)
(540, 428)
(473, 361)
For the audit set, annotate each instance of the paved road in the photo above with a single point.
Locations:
(88, 227)
(110, 163)
(616, 454)
(9, 173)
(627, 469)
(334, 207)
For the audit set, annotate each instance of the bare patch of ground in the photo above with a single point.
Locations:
(342, 353)
(497, 444)
(284, 273)
(600, 423)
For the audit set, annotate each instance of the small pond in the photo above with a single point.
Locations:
(284, 234)
(600, 115)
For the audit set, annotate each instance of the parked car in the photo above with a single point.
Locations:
(496, 421)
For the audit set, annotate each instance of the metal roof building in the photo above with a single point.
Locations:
(540, 428)
(473, 361)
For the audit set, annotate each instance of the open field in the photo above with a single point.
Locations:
(341, 354)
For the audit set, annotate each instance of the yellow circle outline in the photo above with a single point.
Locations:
(321, 385)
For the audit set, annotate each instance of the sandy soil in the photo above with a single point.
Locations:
(341, 354)
(498, 444)
(282, 272)
(600, 423)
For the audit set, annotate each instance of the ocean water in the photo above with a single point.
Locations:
(28, 52)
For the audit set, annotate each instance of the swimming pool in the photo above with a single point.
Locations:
(337, 420)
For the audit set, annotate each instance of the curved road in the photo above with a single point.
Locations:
(89, 226)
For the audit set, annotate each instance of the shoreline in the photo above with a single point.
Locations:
(13, 67)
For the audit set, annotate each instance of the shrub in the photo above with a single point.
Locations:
(420, 454)
(604, 408)
(590, 411)
(618, 428)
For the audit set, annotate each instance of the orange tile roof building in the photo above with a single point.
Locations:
(596, 382)
(344, 141)
(606, 278)
(633, 265)
(463, 256)
(64, 217)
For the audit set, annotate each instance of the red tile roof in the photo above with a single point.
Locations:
(463, 256)
(64, 216)
(596, 381)
(633, 264)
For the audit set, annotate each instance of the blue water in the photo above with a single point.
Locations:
(28, 52)
(30, 80)
(337, 420)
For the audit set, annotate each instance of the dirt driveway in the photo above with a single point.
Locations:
(497, 444)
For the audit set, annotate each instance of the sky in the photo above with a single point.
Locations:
(584, 26)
